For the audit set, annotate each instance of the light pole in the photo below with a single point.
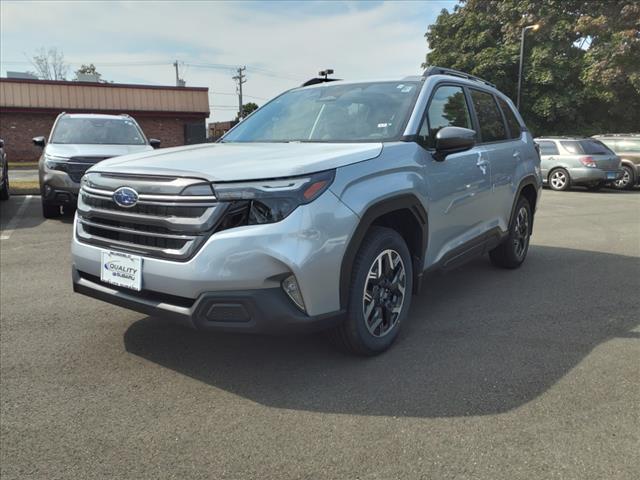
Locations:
(528, 27)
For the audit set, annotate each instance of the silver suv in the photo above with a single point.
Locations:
(78, 141)
(322, 210)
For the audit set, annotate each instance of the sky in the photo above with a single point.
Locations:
(281, 43)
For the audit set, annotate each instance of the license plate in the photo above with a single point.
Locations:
(611, 175)
(121, 269)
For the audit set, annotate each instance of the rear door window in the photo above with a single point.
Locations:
(512, 121)
(492, 127)
(547, 147)
(448, 108)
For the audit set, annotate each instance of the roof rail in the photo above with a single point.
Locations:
(450, 71)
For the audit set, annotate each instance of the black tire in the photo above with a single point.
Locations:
(627, 181)
(559, 185)
(50, 211)
(4, 188)
(513, 250)
(354, 335)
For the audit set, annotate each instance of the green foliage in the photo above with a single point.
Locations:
(247, 108)
(89, 69)
(581, 68)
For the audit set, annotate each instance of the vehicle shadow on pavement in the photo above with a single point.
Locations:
(479, 341)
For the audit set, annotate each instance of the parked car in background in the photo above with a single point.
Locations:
(322, 210)
(4, 173)
(569, 161)
(77, 142)
(627, 147)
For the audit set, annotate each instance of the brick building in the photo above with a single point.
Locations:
(28, 108)
(218, 129)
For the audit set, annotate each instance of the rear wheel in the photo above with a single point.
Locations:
(628, 179)
(50, 211)
(379, 295)
(559, 180)
(512, 252)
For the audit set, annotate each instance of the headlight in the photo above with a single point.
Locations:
(269, 201)
(55, 163)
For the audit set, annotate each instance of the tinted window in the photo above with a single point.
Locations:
(107, 131)
(492, 127)
(342, 113)
(512, 121)
(548, 148)
(588, 147)
(448, 108)
(623, 146)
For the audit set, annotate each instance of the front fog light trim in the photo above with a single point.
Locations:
(292, 289)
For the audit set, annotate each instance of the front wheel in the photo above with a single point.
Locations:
(50, 211)
(512, 252)
(379, 295)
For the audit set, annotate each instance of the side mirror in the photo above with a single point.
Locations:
(154, 142)
(39, 141)
(453, 140)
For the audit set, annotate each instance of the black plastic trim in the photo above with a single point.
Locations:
(401, 202)
(267, 310)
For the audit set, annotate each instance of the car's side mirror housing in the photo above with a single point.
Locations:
(39, 141)
(154, 142)
(453, 140)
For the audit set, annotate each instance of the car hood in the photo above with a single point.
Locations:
(81, 150)
(225, 162)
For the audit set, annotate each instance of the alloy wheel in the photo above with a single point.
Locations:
(624, 181)
(521, 232)
(558, 179)
(384, 292)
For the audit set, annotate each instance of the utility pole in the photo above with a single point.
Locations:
(240, 78)
(175, 64)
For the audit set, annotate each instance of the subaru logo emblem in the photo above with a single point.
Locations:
(125, 197)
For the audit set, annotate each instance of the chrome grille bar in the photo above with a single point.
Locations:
(163, 223)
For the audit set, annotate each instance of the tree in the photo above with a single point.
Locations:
(247, 108)
(50, 64)
(581, 68)
(88, 70)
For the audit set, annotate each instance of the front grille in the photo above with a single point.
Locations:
(163, 224)
(77, 166)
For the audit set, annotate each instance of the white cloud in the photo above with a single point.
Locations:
(289, 39)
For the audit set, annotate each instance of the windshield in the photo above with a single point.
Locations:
(364, 112)
(109, 131)
(624, 146)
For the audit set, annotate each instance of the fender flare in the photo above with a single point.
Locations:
(373, 212)
(527, 180)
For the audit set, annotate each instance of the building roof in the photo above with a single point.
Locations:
(48, 95)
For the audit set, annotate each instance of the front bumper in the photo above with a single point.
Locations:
(58, 188)
(266, 310)
(310, 243)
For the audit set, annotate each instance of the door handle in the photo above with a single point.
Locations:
(516, 154)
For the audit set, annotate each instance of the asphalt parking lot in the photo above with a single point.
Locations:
(498, 374)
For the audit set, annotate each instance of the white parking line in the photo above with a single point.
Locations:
(15, 219)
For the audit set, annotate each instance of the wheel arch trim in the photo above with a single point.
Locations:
(372, 213)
